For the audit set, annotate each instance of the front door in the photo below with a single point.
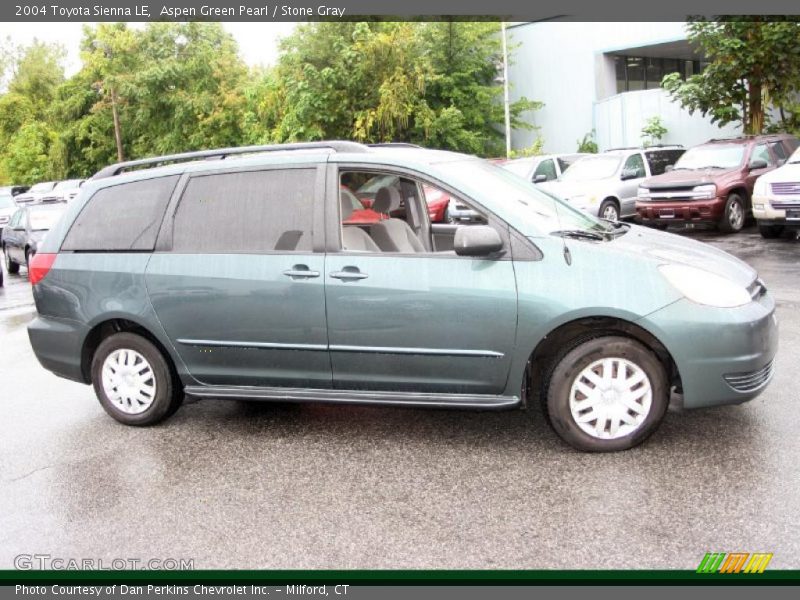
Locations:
(416, 320)
(240, 292)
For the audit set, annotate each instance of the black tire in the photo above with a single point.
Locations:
(168, 395)
(566, 370)
(770, 232)
(734, 216)
(609, 206)
(11, 266)
(1, 277)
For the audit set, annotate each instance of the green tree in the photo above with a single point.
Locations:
(37, 71)
(26, 159)
(754, 65)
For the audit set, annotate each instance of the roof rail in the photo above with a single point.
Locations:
(394, 145)
(222, 153)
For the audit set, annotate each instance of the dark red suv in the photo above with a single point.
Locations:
(712, 182)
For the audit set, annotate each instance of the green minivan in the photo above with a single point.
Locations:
(249, 273)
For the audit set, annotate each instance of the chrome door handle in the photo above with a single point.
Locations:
(300, 271)
(346, 275)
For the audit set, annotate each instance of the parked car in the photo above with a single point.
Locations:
(35, 193)
(539, 169)
(713, 182)
(63, 191)
(287, 301)
(7, 207)
(776, 199)
(605, 184)
(28, 226)
(436, 199)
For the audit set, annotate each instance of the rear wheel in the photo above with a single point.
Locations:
(605, 394)
(134, 381)
(770, 232)
(733, 216)
(11, 266)
(609, 210)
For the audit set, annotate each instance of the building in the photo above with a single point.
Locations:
(603, 77)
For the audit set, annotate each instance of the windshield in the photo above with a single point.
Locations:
(712, 156)
(518, 167)
(589, 168)
(7, 201)
(526, 201)
(44, 218)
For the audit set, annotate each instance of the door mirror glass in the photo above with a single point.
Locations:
(539, 178)
(629, 174)
(758, 163)
(477, 240)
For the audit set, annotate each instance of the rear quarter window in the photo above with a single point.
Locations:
(122, 217)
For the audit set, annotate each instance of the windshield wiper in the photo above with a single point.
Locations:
(617, 227)
(580, 234)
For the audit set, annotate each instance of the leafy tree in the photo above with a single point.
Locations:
(37, 72)
(754, 65)
(653, 131)
(588, 143)
(26, 158)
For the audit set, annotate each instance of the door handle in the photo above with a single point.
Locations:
(300, 272)
(348, 274)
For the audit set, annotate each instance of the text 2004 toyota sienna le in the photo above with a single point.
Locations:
(237, 278)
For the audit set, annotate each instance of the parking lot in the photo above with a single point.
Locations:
(245, 485)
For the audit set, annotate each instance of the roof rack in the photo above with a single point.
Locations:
(222, 153)
(744, 136)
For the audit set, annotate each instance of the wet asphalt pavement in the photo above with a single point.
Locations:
(237, 485)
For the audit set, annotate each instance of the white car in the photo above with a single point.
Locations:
(538, 169)
(606, 185)
(64, 191)
(776, 199)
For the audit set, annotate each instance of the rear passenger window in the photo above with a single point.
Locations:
(247, 212)
(122, 217)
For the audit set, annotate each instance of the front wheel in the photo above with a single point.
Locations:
(733, 216)
(609, 210)
(134, 381)
(606, 394)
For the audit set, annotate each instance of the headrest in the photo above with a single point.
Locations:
(386, 200)
(347, 207)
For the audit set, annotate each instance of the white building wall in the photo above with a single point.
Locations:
(564, 65)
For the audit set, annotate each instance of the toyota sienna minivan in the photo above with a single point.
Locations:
(245, 278)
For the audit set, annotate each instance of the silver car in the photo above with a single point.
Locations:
(538, 169)
(605, 185)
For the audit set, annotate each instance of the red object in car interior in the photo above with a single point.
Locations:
(40, 267)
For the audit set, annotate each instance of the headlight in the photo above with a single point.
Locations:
(643, 193)
(705, 287)
(704, 192)
(760, 188)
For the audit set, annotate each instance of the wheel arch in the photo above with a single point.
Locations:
(111, 325)
(551, 345)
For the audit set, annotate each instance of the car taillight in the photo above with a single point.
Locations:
(39, 267)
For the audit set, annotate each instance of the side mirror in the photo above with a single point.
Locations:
(476, 240)
(669, 168)
(629, 174)
(540, 178)
(758, 163)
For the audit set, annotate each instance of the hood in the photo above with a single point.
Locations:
(687, 178)
(788, 173)
(662, 248)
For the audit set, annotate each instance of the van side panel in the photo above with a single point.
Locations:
(83, 290)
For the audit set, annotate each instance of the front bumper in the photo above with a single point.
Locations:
(768, 211)
(723, 355)
(686, 211)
